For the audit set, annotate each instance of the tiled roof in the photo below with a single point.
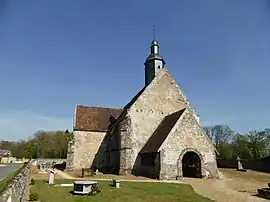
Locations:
(88, 118)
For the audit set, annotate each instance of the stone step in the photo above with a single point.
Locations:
(264, 192)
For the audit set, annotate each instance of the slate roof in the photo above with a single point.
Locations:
(162, 131)
(89, 118)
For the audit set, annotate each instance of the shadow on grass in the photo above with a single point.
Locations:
(92, 193)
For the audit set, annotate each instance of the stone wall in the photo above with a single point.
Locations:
(259, 165)
(18, 189)
(70, 155)
(125, 146)
(187, 136)
(161, 98)
(48, 160)
(86, 146)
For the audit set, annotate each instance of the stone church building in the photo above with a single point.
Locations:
(157, 134)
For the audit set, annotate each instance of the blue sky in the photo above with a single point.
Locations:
(55, 54)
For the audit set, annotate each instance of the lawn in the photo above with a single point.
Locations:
(129, 192)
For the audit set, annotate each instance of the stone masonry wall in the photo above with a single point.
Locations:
(187, 136)
(70, 155)
(126, 146)
(48, 160)
(18, 189)
(86, 146)
(159, 99)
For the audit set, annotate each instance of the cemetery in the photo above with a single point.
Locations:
(129, 191)
(85, 189)
(239, 184)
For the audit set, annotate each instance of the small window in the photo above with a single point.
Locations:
(158, 67)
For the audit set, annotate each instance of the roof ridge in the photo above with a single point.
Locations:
(98, 107)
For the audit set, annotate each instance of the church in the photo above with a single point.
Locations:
(157, 134)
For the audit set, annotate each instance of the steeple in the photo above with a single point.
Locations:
(153, 63)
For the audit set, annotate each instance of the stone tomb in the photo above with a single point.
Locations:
(84, 187)
(264, 192)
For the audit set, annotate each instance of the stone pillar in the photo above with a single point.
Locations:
(70, 156)
(162, 172)
(125, 167)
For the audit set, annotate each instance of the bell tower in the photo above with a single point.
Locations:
(153, 63)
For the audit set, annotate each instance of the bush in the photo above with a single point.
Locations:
(33, 196)
(32, 182)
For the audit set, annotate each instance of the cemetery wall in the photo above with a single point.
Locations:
(50, 161)
(263, 166)
(18, 189)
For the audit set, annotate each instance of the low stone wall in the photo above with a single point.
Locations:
(49, 161)
(18, 189)
(260, 165)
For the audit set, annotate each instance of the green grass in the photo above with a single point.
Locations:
(6, 181)
(129, 192)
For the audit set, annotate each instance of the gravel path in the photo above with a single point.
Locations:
(227, 189)
(67, 176)
(6, 169)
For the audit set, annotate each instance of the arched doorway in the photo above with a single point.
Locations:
(191, 165)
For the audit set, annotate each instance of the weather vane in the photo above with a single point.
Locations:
(154, 31)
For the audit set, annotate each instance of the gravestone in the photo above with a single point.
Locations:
(9, 199)
(51, 177)
(116, 183)
(42, 168)
(239, 165)
(47, 166)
